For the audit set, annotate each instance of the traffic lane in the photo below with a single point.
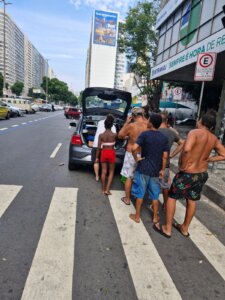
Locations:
(24, 148)
(25, 218)
(26, 118)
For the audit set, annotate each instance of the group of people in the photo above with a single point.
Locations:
(147, 162)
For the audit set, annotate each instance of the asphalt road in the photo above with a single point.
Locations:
(61, 239)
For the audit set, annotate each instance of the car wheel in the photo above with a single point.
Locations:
(7, 116)
(72, 166)
(67, 117)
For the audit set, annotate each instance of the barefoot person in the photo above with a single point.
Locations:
(151, 165)
(189, 181)
(172, 137)
(100, 129)
(132, 128)
(106, 142)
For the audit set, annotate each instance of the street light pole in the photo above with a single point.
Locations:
(4, 46)
(46, 96)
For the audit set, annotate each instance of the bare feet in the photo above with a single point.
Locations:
(155, 220)
(134, 218)
(108, 193)
(97, 178)
(125, 201)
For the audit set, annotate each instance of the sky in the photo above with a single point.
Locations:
(60, 31)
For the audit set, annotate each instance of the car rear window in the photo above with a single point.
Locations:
(96, 102)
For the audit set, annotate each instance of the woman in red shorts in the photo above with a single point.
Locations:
(106, 142)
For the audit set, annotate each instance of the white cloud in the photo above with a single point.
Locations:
(117, 5)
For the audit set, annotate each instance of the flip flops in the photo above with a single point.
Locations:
(160, 230)
(178, 228)
(123, 200)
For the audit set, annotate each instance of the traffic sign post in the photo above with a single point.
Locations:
(177, 93)
(204, 71)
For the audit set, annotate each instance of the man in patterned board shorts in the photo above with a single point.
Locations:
(189, 181)
(132, 128)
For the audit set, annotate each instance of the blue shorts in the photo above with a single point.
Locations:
(143, 183)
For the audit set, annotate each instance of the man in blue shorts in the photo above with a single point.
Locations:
(151, 165)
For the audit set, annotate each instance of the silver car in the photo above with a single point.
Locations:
(96, 104)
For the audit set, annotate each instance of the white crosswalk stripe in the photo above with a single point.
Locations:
(8, 193)
(150, 276)
(51, 272)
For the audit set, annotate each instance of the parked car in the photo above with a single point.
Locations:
(4, 111)
(14, 111)
(96, 104)
(72, 113)
(23, 104)
(186, 122)
(35, 107)
(45, 107)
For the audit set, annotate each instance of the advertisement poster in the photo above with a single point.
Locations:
(105, 28)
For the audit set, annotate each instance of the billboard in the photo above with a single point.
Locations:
(105, 28)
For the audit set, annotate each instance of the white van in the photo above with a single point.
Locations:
(20, 103)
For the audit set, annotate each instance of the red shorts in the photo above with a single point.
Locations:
(108, 155)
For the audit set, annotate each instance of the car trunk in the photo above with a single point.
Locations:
(89, 128)
(97, 103)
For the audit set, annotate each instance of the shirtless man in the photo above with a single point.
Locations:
(193, 165)
(131, 130)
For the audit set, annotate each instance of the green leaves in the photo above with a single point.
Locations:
(138, 39)
(17, 88)
(58, 91)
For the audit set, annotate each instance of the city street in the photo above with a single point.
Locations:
(60, 238)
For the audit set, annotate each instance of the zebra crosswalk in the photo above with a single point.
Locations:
(51, 273)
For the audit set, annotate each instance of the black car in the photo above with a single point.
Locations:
(96, 104)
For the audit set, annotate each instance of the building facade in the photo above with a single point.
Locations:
(101, 57)
(187, 28)
(23, 61)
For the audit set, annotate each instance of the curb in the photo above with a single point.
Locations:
(207, 191)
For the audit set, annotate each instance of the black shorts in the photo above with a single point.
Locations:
(93, 154)
(188, 185)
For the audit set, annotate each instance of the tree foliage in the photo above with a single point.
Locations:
(17, 88)
(58, 91)
(138, 39)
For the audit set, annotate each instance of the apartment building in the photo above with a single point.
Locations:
(23, 61)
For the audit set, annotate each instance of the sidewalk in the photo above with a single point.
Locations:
(214, 188)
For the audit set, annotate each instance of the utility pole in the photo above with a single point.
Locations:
(4, 45)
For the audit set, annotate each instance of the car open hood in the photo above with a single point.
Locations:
(107, 95)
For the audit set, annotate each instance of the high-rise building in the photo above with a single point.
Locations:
(23, 62)
(120, 64)
(101, 58)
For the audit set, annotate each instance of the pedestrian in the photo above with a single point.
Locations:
(100, 129)
(192, 175)
(172, 137)
(106, 142)
(151, 166)
(133, 127)
(170, 120)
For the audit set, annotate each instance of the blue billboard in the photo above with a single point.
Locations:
(105, 28)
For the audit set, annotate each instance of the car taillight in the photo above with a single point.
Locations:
(76, 140)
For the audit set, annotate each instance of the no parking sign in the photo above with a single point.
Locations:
(205, 66)
(177, 93)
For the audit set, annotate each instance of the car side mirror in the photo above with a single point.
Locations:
(73, 124)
